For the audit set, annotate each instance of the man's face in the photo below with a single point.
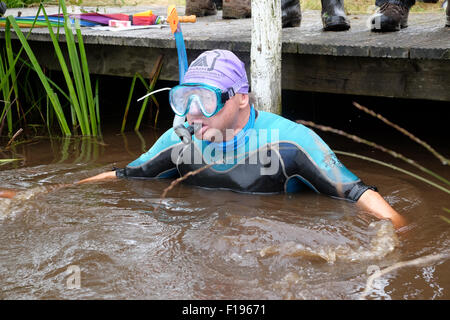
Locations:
(215, 128)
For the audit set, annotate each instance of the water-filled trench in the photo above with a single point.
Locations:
(129, 243)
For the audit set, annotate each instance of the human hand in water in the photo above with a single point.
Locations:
(102, 176)
(373, 203)
(5, 193)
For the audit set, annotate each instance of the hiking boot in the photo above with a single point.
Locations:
(333, 16)
(291, 15)
(2, 8)
(236, 9)
(200, 8)
(447, 11)
(392, 16)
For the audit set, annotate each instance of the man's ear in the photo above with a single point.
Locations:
(243, 100)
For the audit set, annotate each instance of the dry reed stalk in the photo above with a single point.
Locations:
(402, 264)
(13, 137)
(443, 159)
(374, 145)
(187, 175)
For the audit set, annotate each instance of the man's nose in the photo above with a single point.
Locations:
(194, 107)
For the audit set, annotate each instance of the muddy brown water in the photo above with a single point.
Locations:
(128, 243)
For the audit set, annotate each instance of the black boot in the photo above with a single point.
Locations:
(291, 15)
(333, 16)
(2, 8)
(219, 4)
(448, 14)
(392, 16)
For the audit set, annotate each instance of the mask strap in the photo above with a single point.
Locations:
(156, 91)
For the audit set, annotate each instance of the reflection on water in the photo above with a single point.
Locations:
(203, 244)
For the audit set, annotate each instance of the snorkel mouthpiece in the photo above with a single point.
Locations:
(185, 134)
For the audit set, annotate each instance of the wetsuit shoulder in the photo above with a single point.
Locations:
(306, 157)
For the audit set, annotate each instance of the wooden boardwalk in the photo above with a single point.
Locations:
(412, 63)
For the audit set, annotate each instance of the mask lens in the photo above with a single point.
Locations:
(178, 100)
(182, 98)
(208, 100)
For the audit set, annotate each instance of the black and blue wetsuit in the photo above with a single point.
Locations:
(270, 154)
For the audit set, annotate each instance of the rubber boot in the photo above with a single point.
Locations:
(392, 16)
(447, 11)
(218, 3)
(2, 8)
(237, 9)
(333, 16)
(291, 14)
(200, 8)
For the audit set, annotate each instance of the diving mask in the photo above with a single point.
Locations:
(208, 99)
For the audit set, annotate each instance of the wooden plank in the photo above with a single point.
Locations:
(412, 63)
(399, 78)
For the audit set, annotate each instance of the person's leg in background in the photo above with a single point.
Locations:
(392, 16)
(238, 9)
(2, 8)
(448, 14)
(333, 16)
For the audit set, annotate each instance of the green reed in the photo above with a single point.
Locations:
(50, 92)
(84, 105)
(149, 87)
(8, 83)
(6, 161)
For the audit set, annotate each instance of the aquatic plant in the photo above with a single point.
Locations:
(10, 21)
(391, 152)
(394, 168)
(82, 100)
(153, 78)
(84, 106)
(441, 158)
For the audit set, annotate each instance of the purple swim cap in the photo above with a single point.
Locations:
(218, 68)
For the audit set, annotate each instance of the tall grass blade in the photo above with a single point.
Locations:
(443, 159)
(51, 94)
(87, 80)
(393, 167)
(73, 95)
(127, 107)
(10, 56)
(97, 107)
(374, 145)
(76, 69)
(153, 78)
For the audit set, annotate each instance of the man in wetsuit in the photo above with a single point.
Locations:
(243, 149)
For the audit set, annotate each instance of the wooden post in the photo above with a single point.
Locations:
(265, 68)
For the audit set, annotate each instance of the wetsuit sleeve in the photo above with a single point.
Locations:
(317, 166)
(156, 162)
